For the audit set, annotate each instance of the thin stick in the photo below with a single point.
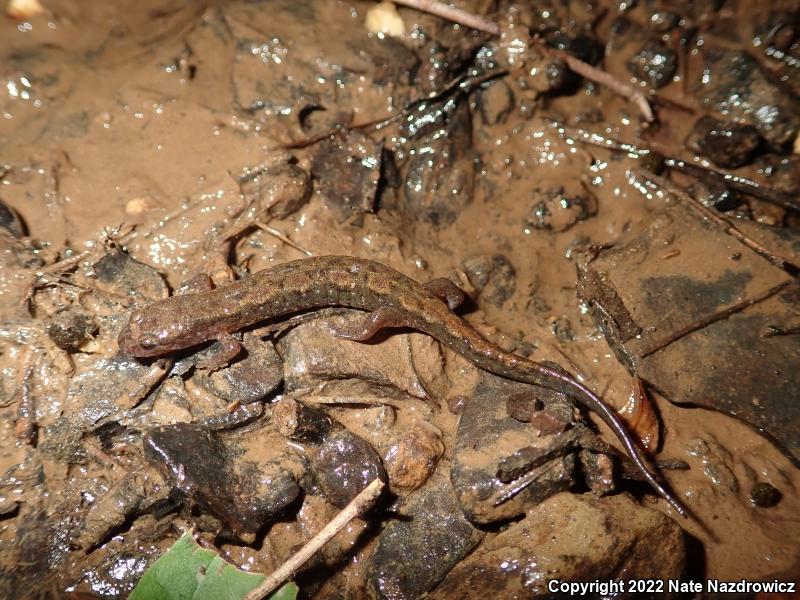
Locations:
(357, 506)
(708, 320)
(451, 13)
(714, 217)
(603, 78)
(282, 237)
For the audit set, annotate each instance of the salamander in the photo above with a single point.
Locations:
(393, 299)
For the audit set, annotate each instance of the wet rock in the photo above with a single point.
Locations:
(11, 221)
(654, 63)
(495, 102)
(493, 276)
(281, 189)
(301, 423)
(663, 20)
(781, 173)
(557, 209)
(71, 327)
(734, 85)
(344, 464)
(575, 537)
(727, 144)
(598, 470)
(413, 456)
(439, 176)
(491, 447)
(415, 551)
(717, 463)
(211, 482)
(313, 355)
(118, 272)
(347, 168)
(715, 194)
(765, 495)
(702, 323)
(249, 379)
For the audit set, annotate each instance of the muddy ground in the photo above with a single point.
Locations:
(142, 144)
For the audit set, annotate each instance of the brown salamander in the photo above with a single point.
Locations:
(394, 300)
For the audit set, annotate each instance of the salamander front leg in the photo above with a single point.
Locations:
(372, 324)
(447, 291)
(228, 350)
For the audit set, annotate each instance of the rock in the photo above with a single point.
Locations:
(557, 209)
(727, 144)
(655, 64)
(71, 327)
(413, 456)
(492, 449)
(439, 176)
(118, 272)
(344, 464)
(765, 495)
(11, 221)
(701, 315)
(493, 276)
(347, 168)
(244, 503)
(734, 85)
(249, 379)
(414, 552)
(281, 189)
(570, 538)
(313, 356)
(715, 194)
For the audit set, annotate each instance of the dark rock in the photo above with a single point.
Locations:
(415, 551)
(493, 276)
(347, 168)
(439, 177)
(249, 379)
(655, 64)
(715, 194)
(281, 189)
(734, 85)
(727, 144)
(344, 464)
(211, 483)
(557, 210)
(71, 327)
(11, 221)
(301, 423)
(128, 277)
(585, 48)
(576, 537)
(490, 446)
(781, 173)
(684, 348)
(765, 495)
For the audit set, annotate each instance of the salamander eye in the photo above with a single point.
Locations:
(148, 343)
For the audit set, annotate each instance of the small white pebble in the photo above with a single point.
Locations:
(384, 18)
(137, 206)
(24, 9)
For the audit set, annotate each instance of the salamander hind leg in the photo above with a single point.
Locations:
(372, 324)
(447, 291)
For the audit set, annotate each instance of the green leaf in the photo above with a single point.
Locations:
(188, 572)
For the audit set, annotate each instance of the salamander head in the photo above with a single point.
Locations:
(153, 332)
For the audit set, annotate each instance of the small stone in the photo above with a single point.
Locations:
(726, 143)
(413, 456)
(655, 64)
(557, 210)
(345, 464)
(70, 328)
(493, 276)
(10, 220)
(765, 495)
(280, 189)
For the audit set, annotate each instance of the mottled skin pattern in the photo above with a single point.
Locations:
(394, 301)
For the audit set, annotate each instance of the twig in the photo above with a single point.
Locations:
(713, 318)
(602, 77)
(714, 217)
(357, 506)
(451, 13)
(282, 237)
